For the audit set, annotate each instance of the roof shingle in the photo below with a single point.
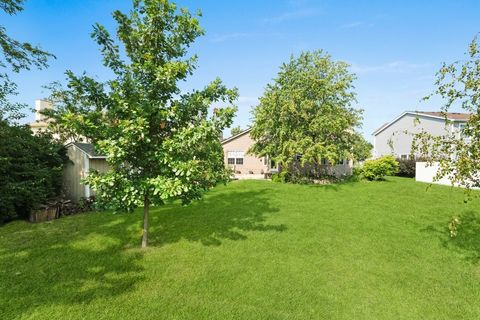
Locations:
(89, 149)
(449, 115)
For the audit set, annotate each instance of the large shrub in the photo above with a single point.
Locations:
(377, 169)
(406, 168)
(282, 176)
(30, 170)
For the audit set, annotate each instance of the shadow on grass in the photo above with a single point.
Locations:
(223, 216)
(467, 241)
(65, 264)
(80, 259)
(468, 237)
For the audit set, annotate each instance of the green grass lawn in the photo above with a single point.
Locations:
(254, 250)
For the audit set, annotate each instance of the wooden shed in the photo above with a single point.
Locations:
(83, 158)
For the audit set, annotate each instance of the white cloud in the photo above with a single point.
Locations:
(292, 15)
(390, 67)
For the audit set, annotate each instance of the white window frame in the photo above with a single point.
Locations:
(236, 155)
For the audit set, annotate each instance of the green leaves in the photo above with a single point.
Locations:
(160, 143)
(458, 151)
(16, 56)
(307, 111)
(377, 169)
(30, 169)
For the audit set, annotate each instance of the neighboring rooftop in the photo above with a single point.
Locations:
(381, 127)
(449, 115)
(237, 135)
(453, 116)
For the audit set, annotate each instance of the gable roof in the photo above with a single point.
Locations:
(452, 116)
(449, 115)
(237, 135)
(88, 149)
(381, 127)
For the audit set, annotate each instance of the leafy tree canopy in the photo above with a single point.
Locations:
(161, 144)
(361, 149)
(30, 170)
(458, 153)
(235, 130)
(307, 111)
(15, 56)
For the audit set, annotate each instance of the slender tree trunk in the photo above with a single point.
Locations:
(146, 207)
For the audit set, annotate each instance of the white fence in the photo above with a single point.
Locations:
(426, 173)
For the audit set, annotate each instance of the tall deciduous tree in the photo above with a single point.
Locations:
(458, 153)
(235, 130)
(15, 56)
(361, 149)
(161, 144)
(307, 111)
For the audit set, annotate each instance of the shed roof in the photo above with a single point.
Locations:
(88, 149)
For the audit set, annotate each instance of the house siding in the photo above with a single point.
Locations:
(73, 173)
(100, 165)
(254, 165)
(251, 163)
(401, 134)
(76, 170)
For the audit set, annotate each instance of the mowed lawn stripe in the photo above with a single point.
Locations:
(254, 250)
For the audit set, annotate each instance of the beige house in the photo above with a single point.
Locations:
(243, 164)
(83, 158)
(249, 166)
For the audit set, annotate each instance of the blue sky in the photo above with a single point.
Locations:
(394, 47)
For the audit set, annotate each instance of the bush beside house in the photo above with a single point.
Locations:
(377, 169)
(406, 168)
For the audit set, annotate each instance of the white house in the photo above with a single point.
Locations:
(396, 137)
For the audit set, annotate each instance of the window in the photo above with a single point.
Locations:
(273, 164)
(404, 156)
(341, 162)
(235, 157)
(461, 129)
